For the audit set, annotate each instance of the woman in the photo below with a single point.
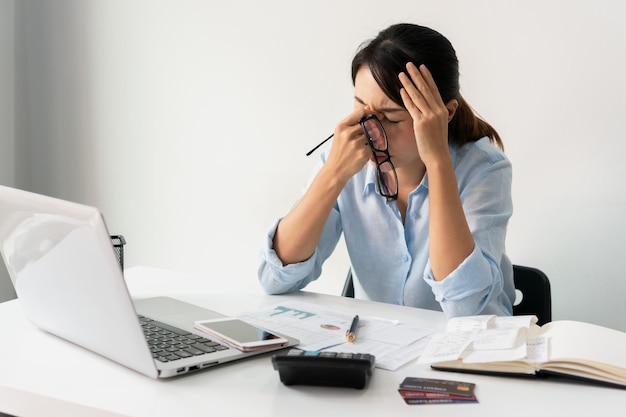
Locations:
(437, 240)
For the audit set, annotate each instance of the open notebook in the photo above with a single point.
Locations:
(69, 282)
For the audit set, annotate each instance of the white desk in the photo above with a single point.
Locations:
(84, 384)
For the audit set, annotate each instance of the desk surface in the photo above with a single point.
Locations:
(81, 383)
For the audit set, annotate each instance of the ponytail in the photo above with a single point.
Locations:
(466, 126)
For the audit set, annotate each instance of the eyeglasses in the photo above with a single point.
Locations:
(386, 172)
(377, 141)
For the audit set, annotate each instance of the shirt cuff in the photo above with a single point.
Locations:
(285, 274)
(471, 276)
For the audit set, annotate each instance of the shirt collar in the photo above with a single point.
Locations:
(371, 184)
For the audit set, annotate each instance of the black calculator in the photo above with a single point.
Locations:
(333, 369)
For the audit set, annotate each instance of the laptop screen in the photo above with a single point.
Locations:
(67, 276)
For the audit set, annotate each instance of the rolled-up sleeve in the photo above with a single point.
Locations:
(482, 283)
(276, 278)
(460, 295)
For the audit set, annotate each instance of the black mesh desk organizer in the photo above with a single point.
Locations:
(118, 243)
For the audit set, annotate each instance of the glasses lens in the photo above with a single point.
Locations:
(375, 133)
(387, 180)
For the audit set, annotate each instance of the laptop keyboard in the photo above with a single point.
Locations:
(168, 343)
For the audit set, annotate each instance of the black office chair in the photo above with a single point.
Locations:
(532, 284)
(348, 286)
(534, 287)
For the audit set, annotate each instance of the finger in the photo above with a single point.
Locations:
(413, 100)
(420, 85)
(413, 110)
(350, 128)
(354, 133)
(427, 84)
(354, 117)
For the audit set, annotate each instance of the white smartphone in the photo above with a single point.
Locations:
(239, 334)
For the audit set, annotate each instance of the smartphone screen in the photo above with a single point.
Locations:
(239, 330)
(239, 333)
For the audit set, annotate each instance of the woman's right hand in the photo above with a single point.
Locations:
(299, 232)
(349, 151)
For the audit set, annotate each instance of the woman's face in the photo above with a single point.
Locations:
(396, 119)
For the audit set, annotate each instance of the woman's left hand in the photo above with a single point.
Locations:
(430, 115)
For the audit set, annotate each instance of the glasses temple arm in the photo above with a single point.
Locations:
(323, 142)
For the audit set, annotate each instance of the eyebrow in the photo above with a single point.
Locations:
(383, 110)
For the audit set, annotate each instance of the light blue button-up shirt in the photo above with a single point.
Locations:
(390, 260)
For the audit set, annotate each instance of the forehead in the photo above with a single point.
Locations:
(367, 90)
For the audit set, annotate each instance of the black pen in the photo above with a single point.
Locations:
(351, 334)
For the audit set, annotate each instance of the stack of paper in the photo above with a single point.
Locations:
(517, 346)
(392, 343)
(483, 339)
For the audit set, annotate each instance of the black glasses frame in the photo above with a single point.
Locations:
(320, 144)
(382, 184)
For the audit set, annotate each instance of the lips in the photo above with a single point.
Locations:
(378, 158)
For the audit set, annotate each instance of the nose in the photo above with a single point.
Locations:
(372, 110)
(379, 115)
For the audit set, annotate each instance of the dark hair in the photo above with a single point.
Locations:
(387, 55)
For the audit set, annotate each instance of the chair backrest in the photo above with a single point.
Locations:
(348, 286)
(534, 287)
(532, 284)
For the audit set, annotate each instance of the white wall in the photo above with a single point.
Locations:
(7, 115)
(186, 122)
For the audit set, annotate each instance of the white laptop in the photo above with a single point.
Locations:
(69, 283)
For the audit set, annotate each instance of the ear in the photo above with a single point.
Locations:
(452, 105)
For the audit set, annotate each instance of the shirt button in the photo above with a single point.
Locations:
(405, 258)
